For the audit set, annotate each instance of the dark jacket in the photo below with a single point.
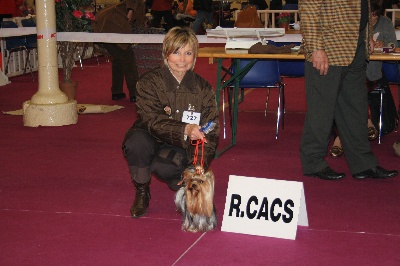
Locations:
(158, 90)
(112, 19)
(205, 5)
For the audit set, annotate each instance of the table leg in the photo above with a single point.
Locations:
(234, 79)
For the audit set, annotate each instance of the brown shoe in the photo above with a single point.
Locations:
(372, 133)
(336, 151)
(396, 147)
(142, 200)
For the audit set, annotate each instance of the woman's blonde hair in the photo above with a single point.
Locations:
(177, 38)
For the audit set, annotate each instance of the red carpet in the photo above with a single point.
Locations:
(65, 192)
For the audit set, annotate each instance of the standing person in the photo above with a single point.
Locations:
(160, 141)
(162, 9)
(204, 13)
(123, 17)
(384, 36)
(337, 36)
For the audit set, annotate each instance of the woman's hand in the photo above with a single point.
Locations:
(194, 133)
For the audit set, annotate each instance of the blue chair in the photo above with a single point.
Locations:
(289, 68)
(31, 40)
(290, 7)
(391, 72)
(264, 74)
(15, 44)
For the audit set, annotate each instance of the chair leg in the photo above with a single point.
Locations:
(27, 60)
(282, 88)
(278, 118)
(280, 111)
(8, 61)
(380, 116)
(80, 58)
(223, 113)
(266, 102)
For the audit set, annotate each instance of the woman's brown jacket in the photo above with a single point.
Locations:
(161, 101)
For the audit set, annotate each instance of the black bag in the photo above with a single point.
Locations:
(389, 114)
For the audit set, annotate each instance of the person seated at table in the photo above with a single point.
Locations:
(172, 104)
(384, 36)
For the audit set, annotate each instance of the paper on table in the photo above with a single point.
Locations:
(245, 32)
(375, 36)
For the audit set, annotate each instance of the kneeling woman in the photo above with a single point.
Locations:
(173, 103)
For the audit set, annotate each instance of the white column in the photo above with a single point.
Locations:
(49, 106)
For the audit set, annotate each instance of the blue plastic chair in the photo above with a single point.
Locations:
(15, 44)
(265, 74)
(290, 68)
(391, 72)
(290, 7)
(31, 40)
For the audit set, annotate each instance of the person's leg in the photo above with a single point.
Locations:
(130, 72)
(116, 68)
(139, 148)
(169, 20)
(321, 94)
(156, 21)
(351, 115)
(209, 17)
(198, 21)
(169, 165)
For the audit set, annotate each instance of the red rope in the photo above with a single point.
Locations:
(196, 153)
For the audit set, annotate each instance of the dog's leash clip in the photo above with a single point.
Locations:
(199, 169)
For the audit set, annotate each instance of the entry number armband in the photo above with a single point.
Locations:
(191, 117)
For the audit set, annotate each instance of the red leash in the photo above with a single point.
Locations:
(196, 154)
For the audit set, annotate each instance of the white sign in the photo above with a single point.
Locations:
(264, 207)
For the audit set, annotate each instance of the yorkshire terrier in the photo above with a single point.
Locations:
(195, 200)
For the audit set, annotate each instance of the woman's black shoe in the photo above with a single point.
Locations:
(117, 96)
(133, 99)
